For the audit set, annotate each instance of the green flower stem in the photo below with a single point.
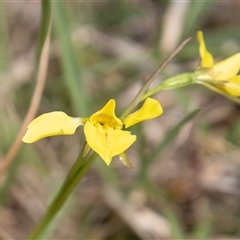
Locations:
(177, 81)
(153, 91)
(75, 174)
(209, 84)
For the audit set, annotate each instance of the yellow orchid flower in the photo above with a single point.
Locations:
(103, 130)
(222, 76)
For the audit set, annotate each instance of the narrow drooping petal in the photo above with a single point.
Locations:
(206, 57)
(106, 116)
(51, 124)
(107, 142)
(151, 108)
(226, 69)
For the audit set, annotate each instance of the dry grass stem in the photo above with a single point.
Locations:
(41, 78)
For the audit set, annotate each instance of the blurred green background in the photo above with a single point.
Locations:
(186, 178)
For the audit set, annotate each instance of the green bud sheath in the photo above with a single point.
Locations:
(177, 81)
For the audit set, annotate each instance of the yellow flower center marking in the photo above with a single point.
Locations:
(106, 121)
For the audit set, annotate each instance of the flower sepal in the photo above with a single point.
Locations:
(124, 159)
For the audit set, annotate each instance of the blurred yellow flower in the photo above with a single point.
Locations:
(221, 76)
(103, 130)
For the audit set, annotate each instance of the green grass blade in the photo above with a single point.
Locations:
(203, 229)
(71, 68)
(74, 176)
(45, 21)
(172, 133)
(4, 46)
(196, 12)
(176, 226)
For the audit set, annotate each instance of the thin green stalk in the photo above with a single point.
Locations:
(218, 90)
(74, 176)
(180, 80)
(153, 91)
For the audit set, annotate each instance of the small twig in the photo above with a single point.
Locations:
(41, 78)
(149, 81)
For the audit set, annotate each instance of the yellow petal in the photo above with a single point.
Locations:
(151, 108)
(233, 86)
(206, 57)
(106, 116)
(226, 69)
(107, 142)
(51, 124)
